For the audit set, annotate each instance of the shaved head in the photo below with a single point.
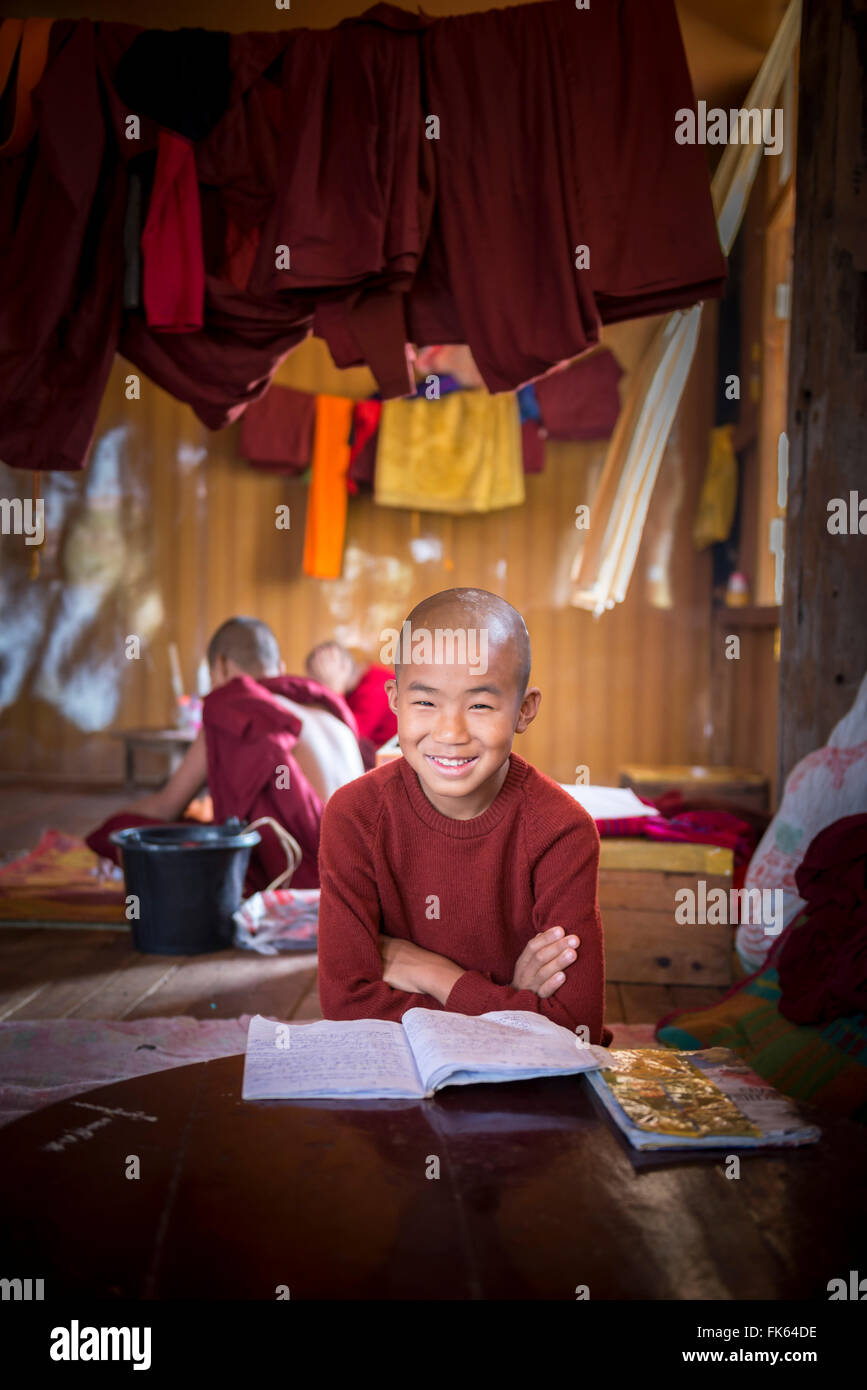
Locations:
(248, 642)
(477, 610)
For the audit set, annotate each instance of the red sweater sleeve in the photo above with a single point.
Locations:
(565, 878)
(350, 966)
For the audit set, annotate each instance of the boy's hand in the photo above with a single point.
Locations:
(409, 967)
(398, 959)
(542, 964)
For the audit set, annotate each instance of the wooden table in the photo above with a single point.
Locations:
(172, 742)
(536, 1196)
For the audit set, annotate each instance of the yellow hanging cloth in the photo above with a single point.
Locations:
(458, 454)
(326, 502)
(719, 491)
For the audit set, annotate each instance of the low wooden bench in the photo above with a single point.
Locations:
(738, 787)
(644, 944)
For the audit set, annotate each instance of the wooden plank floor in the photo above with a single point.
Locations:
(83, 972)
(49, 972)
(26, 811)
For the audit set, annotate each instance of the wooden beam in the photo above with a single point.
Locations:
(824, 632)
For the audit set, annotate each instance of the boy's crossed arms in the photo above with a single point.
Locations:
(540, 967)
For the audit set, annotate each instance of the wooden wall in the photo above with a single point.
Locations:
(824, 633)
(170, 532)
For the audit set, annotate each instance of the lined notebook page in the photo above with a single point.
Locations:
(509, 1043)
(363, 1058)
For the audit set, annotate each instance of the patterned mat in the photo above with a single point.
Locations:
(61, 880)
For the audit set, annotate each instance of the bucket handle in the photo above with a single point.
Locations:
(291, 848)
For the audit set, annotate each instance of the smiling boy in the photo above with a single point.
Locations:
(458, 877)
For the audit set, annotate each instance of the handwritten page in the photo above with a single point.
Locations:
(507, 1045)
(361, 1058)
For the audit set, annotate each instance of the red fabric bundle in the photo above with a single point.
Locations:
(362, 455)
(822, 963)
(369, 703)
(277, 430)
(171, 242)
(98, 840)
(581, 401)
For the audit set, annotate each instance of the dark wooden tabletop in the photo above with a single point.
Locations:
(536, 1195)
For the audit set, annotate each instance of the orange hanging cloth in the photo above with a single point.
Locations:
(26, 40)
(326, 503)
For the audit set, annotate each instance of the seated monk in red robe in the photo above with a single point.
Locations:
(270, 745)
(363, 689)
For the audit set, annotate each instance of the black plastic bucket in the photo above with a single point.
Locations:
(188, 880)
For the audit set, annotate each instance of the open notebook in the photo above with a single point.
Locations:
(368, 1058)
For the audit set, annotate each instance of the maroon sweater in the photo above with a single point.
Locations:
(527, 863)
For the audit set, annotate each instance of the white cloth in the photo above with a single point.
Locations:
(327, 751)
(608, 803)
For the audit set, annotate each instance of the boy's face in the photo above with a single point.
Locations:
(456, 727)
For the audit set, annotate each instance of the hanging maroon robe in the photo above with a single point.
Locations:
(391, 236)
(61, 263)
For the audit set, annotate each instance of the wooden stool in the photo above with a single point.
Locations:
(172, 743)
